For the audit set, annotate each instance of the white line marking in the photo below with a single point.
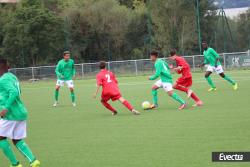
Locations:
(149, 83)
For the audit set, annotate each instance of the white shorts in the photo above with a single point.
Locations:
(60, 83)
(218, 69)
(165, 85)
(13, 129)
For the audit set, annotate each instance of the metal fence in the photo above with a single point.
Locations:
(238, 60)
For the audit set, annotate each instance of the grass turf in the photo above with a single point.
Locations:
(89, 136)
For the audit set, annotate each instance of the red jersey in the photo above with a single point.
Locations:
(185, 71)
(108, 81)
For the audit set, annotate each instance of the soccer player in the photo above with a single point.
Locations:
(184, 83)
(107, 80)
(211, 58)
(65, 71)
(165, 82)
(13, 118)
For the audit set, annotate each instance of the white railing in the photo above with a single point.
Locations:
(235, 60)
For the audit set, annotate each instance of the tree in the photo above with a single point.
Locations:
(33, 35)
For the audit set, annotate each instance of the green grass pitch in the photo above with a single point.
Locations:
(88, 136)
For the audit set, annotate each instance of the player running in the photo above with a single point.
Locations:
(13, 118)
(211, 58)
(165, 82)
(65, 71)
(107, 80)
(184, 83)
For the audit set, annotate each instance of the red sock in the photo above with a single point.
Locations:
(128, 105)
(183, 89)
(108, 106)
(196, 98)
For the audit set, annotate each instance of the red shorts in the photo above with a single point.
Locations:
(111, 95)
(185, 82)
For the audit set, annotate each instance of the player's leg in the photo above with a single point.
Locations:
(104, 101)
(197, 100)
(72, 93)
(169, 89)
(208, 78)
(220, 71)
(6, 131)
(128, 106)
(154, 93)
(8, 152)
(59, 83)
(18, 135)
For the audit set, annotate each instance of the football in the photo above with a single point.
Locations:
(145, 105)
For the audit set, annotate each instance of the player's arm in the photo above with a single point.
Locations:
(97, 90)
(204, 62)
(157, 72)
(99, 84)
(178, 69)
(13, 93)
(58, 70)
(216, 55)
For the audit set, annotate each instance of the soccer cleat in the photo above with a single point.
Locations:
(212, 89)
(189, 93)
(198, 104)
(153, 106)
(55, 104)
(235, 86)
(183, 106)
(19, 165)
(36, 163)
(135, 112)
(114, 113)
(74, 104)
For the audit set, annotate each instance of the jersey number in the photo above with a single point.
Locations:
(108, 78)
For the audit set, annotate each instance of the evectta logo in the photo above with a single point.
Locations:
(231, 156)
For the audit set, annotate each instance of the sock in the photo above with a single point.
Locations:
(178, 98)
(183, 89)
(108, 106)
(128, 105)
(56, 95)
(210, 82)
(25, 150)
(5, 146)
(195, 97)
(155, 96)
(227, 78)
(73, 98)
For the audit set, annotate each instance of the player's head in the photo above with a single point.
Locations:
(204, 45)
(66, 55)
(102, 65)
(173, 54)
(4, 67)
(153, 56)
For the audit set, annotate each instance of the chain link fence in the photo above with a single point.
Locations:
(238, 60)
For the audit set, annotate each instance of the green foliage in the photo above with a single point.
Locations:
(36, 32)
(243, 30)
(32, 35)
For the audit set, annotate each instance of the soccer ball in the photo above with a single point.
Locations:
(145, 105)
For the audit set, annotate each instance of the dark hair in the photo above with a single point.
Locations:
(66, 52)
(102, 64)
(154, 53)
(173, 52)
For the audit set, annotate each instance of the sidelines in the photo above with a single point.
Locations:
(151, 82)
